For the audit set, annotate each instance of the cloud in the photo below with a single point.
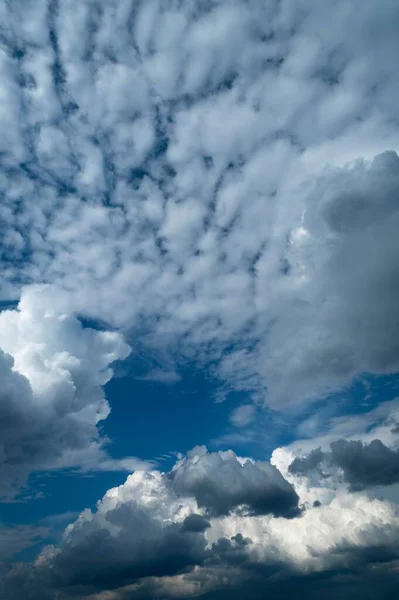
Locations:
(342, 306)
(221, 482)
(13, 539)
(195, 522)
(161, 376)
(53, 371)
(217, 180)
(301, 466)
(145, 539)
(140, 529)
(243, 415)
(154, 526)
(165, 169)
(363, 465)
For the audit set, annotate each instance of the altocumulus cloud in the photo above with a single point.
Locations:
(164, 165)
(219, 180)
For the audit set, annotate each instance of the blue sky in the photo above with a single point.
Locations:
(198, 299)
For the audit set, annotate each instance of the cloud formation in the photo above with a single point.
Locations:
(148, 540)
(17, 538)
(164, 166)
(363, 465)
(53, 371)
(221, 482)
(218, 180)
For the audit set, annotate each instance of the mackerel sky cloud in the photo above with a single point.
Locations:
(199, 286)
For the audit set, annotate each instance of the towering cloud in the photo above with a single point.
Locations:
(53, 371)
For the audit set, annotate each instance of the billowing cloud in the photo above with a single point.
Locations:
(53, 371)
(354, 453)
(221, 482)
(363, 465)
(342, 310)
(147, 540)
(140, 529)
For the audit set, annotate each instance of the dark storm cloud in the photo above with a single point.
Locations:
(366, 465)
(363, 465)
(301, 466)
(105, 562)
(144, 541)
(195, 523)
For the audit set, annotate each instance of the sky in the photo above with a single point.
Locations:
(199, 356)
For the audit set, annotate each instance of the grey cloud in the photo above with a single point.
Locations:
(340, 313)
(366, 465)
(195, 523)
(15, 538)
(220, 484)
(231, 551)
(374, 581)
(302, 465)
(363, 465)
(98, 560)
(137, 532)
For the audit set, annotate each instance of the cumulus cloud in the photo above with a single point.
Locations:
(363, 465)
(195, 522)
(343, 314)
(145, 539)
(221, 482)
(53, 371)
(345, 458)
(140, 529)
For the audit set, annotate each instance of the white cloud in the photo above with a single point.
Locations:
(121, 545)
(53, 373)
(243, 415)
(161, 376)
(213, 177)
(156, 170)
